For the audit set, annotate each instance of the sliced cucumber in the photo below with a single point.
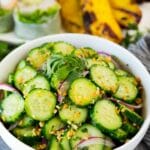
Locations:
(120, 72)
(23, 75)
(21, 64)
(54, 144)
(65, 144)
(129, 128)
(119, 135)
(85, 52)
(111, 65)
(130, 79)
(26, 132)
(127, 91)
(84, 132)
(52, 127)
(26, 121)
(73, 114)
(104, 78)
(37, 82)
(12, 107)
(132, 116)
(40, 104)
(11, 78)
(63, 48)
(48, 46)
(28, 135)
(83, 92)
(105, 116)
(93, 61)
(38, 56)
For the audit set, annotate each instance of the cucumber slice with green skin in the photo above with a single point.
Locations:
(130, 129)
(127, 91)
(83, 92)
(48, 45)
(119, 135)
(54, 144)
(11, 78)
(23, 75)
(40, 104)
(26, 132)
(38, 56)
(37, 82)
(84, 132)
(12, 107)
(105, 116)
(52, 127)
(85, 52)
(104, 77)
(26, 121)
(65, 144)
(120, 72)
(92, 61)
(28, 135)
(21, 64)
(111, 65)
(63, 48)
(130, 79)
(132, 116)
(73, 114)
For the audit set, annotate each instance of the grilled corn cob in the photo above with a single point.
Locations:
(99, 19)
(126, 12)
(72, 15)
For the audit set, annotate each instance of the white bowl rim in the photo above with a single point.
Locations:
(49, 38)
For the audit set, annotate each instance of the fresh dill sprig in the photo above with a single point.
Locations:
(70, 62)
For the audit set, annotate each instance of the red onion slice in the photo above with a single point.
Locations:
(60, 98)
(104, 53)
(13, 126)
(130, 106)
(61, 92)
(94, 140)
(86, 72)
(7, 87)
(44, 141)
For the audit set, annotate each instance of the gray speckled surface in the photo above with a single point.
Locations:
(142, 51)
(3, 146)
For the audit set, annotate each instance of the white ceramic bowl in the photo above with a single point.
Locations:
(8, 65)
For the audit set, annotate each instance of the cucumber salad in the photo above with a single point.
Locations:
(61, 97)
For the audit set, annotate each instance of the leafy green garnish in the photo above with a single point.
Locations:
(69, 63)
(59, 68)
(131, 38)
(38, 16)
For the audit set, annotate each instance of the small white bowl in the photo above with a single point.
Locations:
(9, 63)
